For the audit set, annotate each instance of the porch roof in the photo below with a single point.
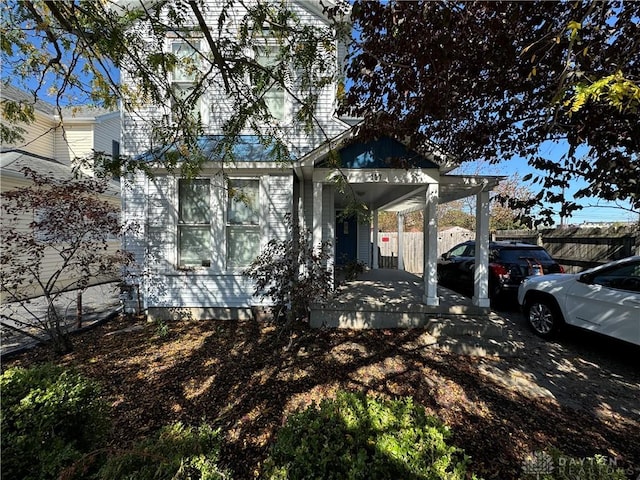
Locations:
(245, 148)
(405, 171)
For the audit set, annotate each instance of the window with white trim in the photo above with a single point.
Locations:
(243, 222)
(187, 62)
(194, 223)
(271, 91)
(184, 77)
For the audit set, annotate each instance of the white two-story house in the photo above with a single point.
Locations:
(195, 238)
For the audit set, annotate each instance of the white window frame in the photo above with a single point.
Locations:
(270, 44)
(191, 47)
(256, 228)
(182, 81)
(205, 263)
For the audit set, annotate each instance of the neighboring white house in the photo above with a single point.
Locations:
(196, 240)
(53, 144)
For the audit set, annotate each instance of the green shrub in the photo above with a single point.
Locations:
(555, 465)
(177, 452)
(356, 436)
(49, 417)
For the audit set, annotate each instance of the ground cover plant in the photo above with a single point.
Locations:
(51, 417)
(246, 379)
(361, 436)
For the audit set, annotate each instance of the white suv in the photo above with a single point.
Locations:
(605, 299)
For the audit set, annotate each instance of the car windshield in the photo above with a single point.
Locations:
(515, 255)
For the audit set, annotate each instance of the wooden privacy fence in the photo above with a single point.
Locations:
(413, 252)
(574, 248)
(578, 248)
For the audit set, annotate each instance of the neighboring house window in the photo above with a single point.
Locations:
(115, 156)
(41, 232)
(194, 223)
(115, 149)
(243, 222)
(184, 76)
(272, 92)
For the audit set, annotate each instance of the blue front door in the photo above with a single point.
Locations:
(346, 239)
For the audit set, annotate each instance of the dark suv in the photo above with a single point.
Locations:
(509, 264)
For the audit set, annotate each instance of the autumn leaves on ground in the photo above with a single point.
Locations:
(246, 377)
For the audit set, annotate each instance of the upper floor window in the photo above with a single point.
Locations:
(183, 79)
(266, 84)
(184, 93)
(187, 60)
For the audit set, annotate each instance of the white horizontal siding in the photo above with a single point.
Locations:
(74, 142)
(279, 203)
(105, 133)
(134, 213)
(200, 290)
(161, 223)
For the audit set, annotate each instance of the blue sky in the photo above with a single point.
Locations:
(594, 209)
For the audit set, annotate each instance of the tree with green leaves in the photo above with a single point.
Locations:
(113, 53)
(55, 236)
(496, 81)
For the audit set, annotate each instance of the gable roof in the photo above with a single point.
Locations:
(382, 152)
(15, 94)
(12, 162)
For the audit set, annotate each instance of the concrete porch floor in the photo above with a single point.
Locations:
(385, 298)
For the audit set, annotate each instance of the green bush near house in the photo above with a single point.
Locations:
(361, 437)
(176, 452)
(50, 417)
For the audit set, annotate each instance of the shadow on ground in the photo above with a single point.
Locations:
(245, 377)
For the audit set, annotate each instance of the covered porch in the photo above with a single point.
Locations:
(384, 175)
(389, 298)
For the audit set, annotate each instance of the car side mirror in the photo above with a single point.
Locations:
(445, 256)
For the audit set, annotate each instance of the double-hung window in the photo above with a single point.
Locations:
(243, 222)
(265, 83)
(194, 223)
(184, 77)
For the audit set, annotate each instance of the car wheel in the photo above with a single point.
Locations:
(543, 316)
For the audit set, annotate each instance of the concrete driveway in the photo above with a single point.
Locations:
(578, 369)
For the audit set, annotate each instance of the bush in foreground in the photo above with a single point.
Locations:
(177, 452)
(50, 417)
(357, 436)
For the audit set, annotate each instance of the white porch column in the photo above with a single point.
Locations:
(481, 274)
(374, 263)
(430, 229)
(400, 241)
(317, 215)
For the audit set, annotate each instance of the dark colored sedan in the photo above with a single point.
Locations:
(509, 264)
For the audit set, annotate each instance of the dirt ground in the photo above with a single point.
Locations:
(580, 393)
